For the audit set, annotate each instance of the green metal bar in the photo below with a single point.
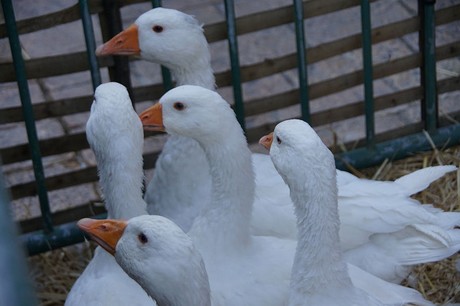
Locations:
(427, 45)
(165, 73)
(366, 30)
(301, 60)
(90, 43)
(111, 25)
(398, 148)
(16, 289)
(63, 235)
(234, 62)
(28, 113)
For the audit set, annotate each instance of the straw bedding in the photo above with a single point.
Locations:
(55, 272)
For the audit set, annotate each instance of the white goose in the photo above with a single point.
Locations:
(242, 269)
(181, 182)
(115, 135)
(180, 186)
(235, 260)
(320, 276)
(158, 255)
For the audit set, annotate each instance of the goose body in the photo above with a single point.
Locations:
(158, 255)
(181, 185)
(115, 135)
(182, 166)
(320, 275)
(243, 269)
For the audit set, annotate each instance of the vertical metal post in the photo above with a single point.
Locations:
(301, 60)
(90, 43)
(28, 113)
(111, 25)
(165, 73)
(366, 30)
(234, 61)
(427, 45)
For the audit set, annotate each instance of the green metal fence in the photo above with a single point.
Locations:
(53, 236)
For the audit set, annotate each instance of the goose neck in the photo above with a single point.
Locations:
(225, 220)
(195, 292)
(318, 260)
(121, 185)
(198, 74)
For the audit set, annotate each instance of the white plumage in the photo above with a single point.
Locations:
(181, 183)
(243, 269)
(158, 255)
(320, 275)
(115, 135)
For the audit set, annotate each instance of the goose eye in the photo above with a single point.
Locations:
(179, 106)
(278, 140)
(157, 29)
(142, 238)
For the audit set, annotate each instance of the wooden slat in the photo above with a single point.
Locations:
(73, 105)
(276, 17)
(48, 147)
(396, 133)
(63, 16)
(391, 134)
(47, 21)
(409, 129)
(76, 62)
(357, 109)
(344, 81)
(51, 109)
(71, 214)
(52, 66)
(69, 179)
(52, 146)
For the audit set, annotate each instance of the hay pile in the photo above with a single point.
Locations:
(55, 272)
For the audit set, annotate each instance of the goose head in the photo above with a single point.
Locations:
(203, 115)
(191, 111)
(157, 254)
(113, 117)
(164, 36)
(294, 142)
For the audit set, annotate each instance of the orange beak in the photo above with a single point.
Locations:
(105, 232)
(152, 118)
(266, 141)
(124, 43)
